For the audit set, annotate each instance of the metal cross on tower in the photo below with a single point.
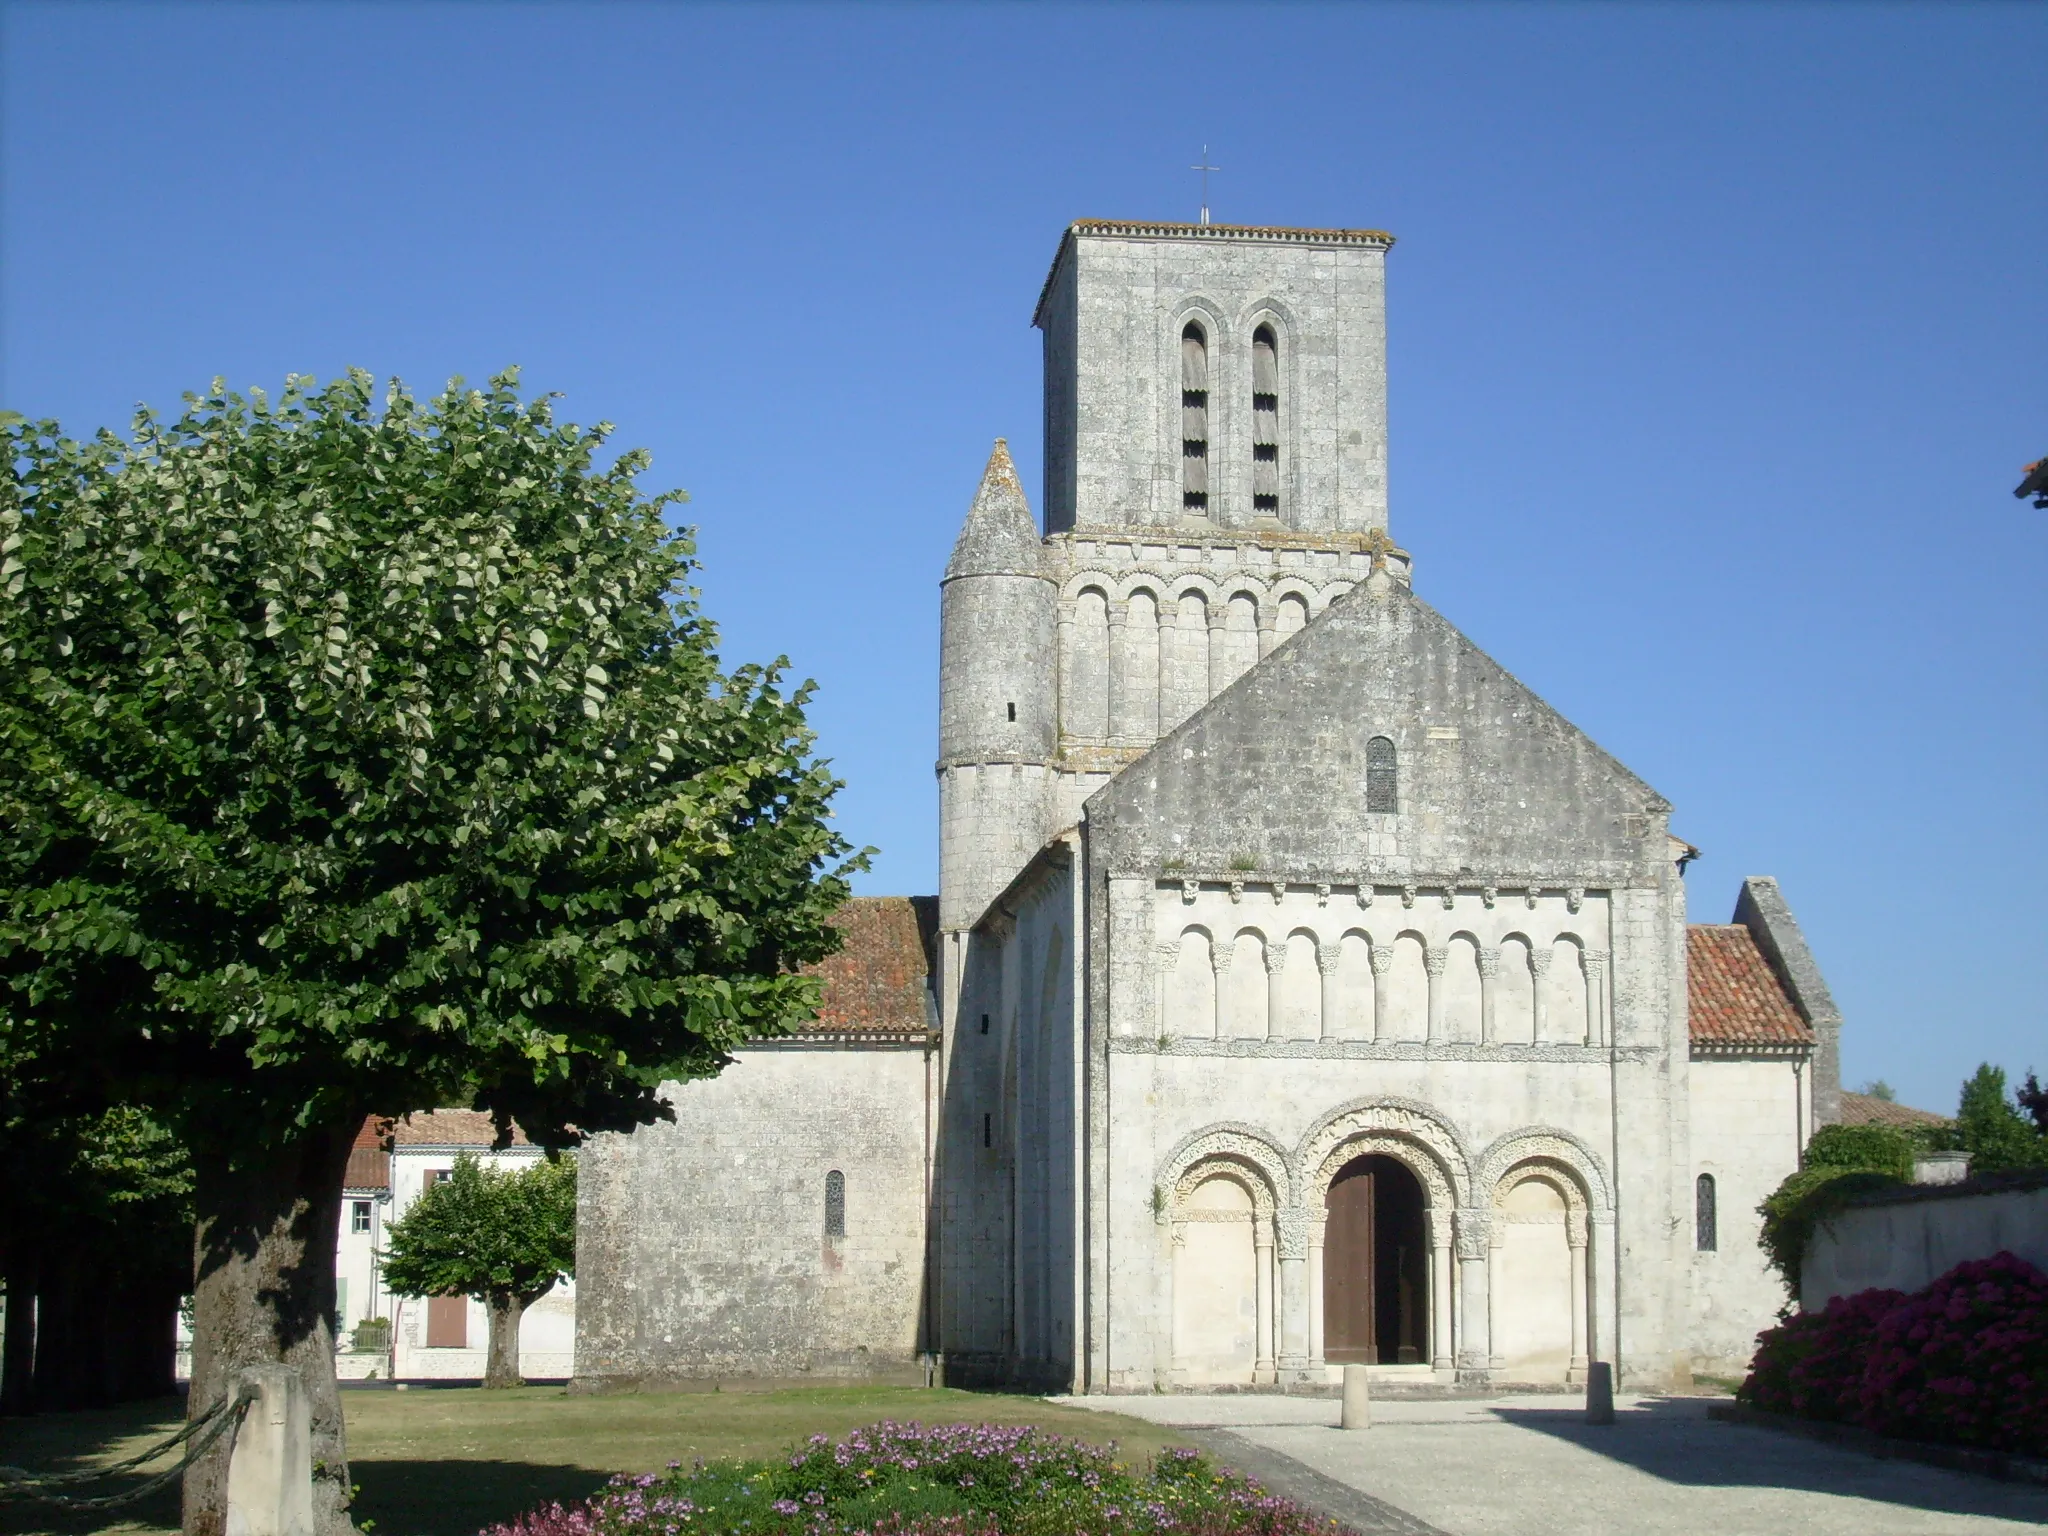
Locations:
(1205, 168)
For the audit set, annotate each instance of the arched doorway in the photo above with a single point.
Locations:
(1375, 1266)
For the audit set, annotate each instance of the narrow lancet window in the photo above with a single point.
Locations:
(835, 1204)
(1704, 1216)
(1381, 788)
(1194, 421)
(1265, 423)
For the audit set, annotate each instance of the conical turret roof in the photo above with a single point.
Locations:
(1000, 536)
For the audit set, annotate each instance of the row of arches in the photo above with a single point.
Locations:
(1136, 665)
(1250, 985)
(1392, 1256)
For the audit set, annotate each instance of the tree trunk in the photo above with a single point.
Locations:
(18, 1355)
(501, 1367)
(264, 1294)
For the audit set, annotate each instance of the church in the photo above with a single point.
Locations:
(1301, 989)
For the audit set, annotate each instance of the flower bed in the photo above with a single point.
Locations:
(1963, 1362)
(953, 1480)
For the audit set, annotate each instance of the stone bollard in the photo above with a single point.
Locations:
(1357, 1399)
(1600, 1393)
(270, 1467)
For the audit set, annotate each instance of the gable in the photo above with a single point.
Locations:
(1492, 783)
(1734, 999)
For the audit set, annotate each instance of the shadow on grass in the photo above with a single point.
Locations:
(71, 1442)
(460, 1498)
(1674, 1440)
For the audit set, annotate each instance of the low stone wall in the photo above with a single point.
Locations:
(1906, 1241)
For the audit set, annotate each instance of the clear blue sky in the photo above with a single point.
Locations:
(1718, 342)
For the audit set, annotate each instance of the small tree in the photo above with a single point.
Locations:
(363, 757)
(501, 1237)
(1991, 1128)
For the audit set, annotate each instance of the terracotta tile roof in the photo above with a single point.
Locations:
(1862, 1109)
(879, 982)
(369, 1159)
(451, 1128)
(1735, 998)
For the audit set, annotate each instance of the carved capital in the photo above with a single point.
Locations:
(1219, 957)
(1119, 613)
(1596, 962)
(1439, 1227)
(1474, 1233)
(1169, 954)
(1382, 959)
(1433, 959)
(1276, 958)
(1539, 961)
(1328, 957)
(1293, 1227)
(1575, 1227)
(1489, 962)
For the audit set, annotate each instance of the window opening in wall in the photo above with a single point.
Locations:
(359, 1216)
(835, 1204)
(1381, 788)
(988, 1130)
(1013, 711)
(1265, 422)
(1704, 1216)
(1194, 420)
(984, 1023)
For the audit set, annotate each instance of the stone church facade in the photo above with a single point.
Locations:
(1301, 989)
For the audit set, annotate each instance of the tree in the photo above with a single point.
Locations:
(2033, 1099)
(501, 1237)
(359, 759)
(1992, 1130)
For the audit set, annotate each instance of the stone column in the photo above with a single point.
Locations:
(1440, 1282)
(1328, 958)
(1433, 959)
(1169, 968)
(1268, 636)
(1118, 692)
(1489, 969)
(1315, 1295)
(1539, 972)
(1220, 951)
(1605, 1340)
(1382, 962)
(1065, 670)
(1276, 964)
(1293, 1319)
(1596, 997)
(1169, 626)
(1575, 1234)
(1219, 658)
(1474, 1235)
(1262, 1249)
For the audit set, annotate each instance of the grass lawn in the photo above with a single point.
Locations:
(447, 1462)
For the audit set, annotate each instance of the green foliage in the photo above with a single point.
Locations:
(1992, 1129)
(1876, 1148)
(359, 758)
(495, 1234)
(1878, 1088)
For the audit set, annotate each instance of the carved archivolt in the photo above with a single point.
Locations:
(1236, 1150)
(1403, 1129)
(1546, 1144)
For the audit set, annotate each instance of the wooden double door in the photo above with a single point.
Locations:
(1375, 1266)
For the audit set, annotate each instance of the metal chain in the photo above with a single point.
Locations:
(15, 1483)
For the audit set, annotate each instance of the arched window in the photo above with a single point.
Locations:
(1704, 1236)
(1381, 790)
(1194, 420)
(1265, 422)
(835, 1204)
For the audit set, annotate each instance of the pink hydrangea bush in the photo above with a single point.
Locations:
(894, 1479)
(1964, 1361)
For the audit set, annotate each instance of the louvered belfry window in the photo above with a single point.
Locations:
(1381, 791)
(1265, 422)
(1194, 420)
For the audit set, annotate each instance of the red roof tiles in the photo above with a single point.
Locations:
(451, 1128)
(879, 982)
(1735, 997)
(1862, 1109)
